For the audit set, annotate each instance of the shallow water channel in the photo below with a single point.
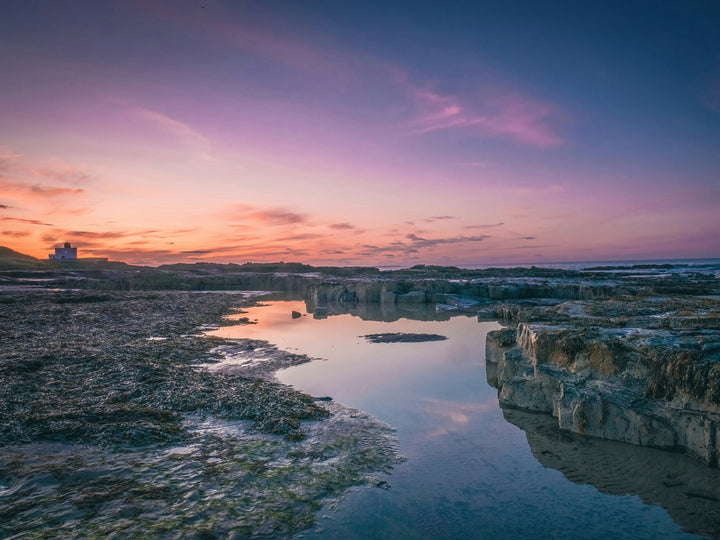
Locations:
(471, 472)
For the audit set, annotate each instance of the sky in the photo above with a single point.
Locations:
(361, 132)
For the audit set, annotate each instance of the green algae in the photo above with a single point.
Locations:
(106, 433)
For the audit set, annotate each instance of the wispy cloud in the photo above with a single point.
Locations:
(64, 173)
(50, 191)
(267, 216)
(87, 237)
(474, 164)
(484, 226)
(276, 47)
(296, 237)
(342, 226)
(27, 221)
(250, 32)
(418, 242)
(512, 115)
(104, 235)
(36, 190)
(432, 219)
(413, 244)
(184, 133)
(15, 234)
(24, 179)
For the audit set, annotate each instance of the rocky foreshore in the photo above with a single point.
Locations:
(625, 353)
(121, 417)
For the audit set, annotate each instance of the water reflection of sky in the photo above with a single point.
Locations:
(469, 473)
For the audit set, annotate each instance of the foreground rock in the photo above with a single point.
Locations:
(642, 369)
(120, 418)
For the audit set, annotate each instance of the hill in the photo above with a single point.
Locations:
(10, 259)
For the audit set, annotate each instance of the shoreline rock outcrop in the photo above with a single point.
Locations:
(650, 377)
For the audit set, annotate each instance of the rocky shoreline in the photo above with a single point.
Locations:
(119, 415)
(624, 353)
(109, 363)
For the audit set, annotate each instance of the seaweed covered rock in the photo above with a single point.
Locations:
(115, 422)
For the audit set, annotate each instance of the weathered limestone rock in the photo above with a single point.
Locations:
(644, 383)
(413, 297)
(388, 297)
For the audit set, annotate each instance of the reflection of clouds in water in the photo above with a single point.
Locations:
(454, 414)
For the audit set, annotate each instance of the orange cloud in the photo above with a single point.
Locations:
(342, 226)
(268, 216)
(27, 221)
(25, 180)
(50, 191)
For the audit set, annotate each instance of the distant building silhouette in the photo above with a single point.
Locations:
(64, 253)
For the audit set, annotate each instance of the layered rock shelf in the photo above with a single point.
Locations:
(642, 370)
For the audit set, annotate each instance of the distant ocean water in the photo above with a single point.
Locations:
(577, 265)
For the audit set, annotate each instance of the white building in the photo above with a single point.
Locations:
(64, 253)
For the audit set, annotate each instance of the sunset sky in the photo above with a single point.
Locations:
(361, 132)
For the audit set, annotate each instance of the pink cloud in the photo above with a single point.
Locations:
(24, 180)
(180, 131)
(512, 115)
(268, 216)
(50, 191)
(252, 34)
(64, 173)
(342, 226)
(496, 114)
(523, 119)
(281, 49)
(7, 156)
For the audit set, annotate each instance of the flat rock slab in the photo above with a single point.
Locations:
(401, 337)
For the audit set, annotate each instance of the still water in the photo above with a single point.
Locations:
(471, 472)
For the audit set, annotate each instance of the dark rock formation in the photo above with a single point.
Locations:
(401, 337)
